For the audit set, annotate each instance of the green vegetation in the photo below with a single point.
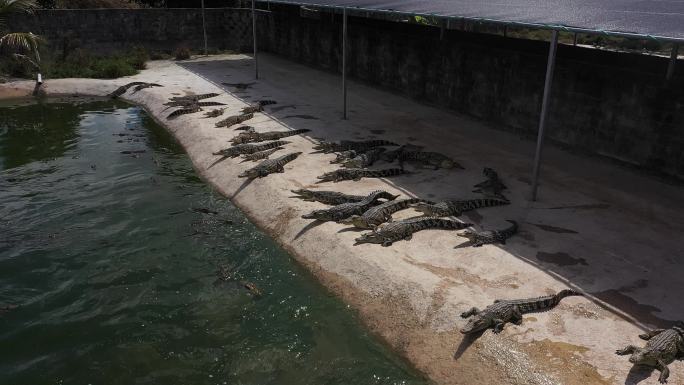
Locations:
(23, 46)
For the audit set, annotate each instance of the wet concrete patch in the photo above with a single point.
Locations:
(561, 259)
(554, 229)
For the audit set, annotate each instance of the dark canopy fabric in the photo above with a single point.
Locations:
(657, 18)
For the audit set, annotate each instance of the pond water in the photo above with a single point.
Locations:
(109, 251)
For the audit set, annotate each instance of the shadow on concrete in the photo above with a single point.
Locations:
(308, 227)
(637, 374)
(602, 230)
(243, 186)
(466, 341)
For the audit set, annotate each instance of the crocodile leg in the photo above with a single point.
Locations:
(498, 325)
(516, 316)
(651, 334)
(387, 243)
(471, 312)
(664, 371)
(628, 350)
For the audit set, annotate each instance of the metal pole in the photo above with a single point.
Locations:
(673, 61)
(550, 65)
(254, 39)
(574, 39)
(344, 63)
(204, 29)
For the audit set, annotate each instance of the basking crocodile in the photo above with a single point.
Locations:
(248, 148)
(343, 156)
(379, 214)
(388, 233)
(269, 166)
(252, 108)
(327, 197)
(429, 159)
(145, 85)
(492, 186)
(193, 103)
(192, 98)
(479, 238)
(358, 173)
(345, 145)
(455, 208)
(233, 120)
(345, 210)
(260, 155)
(122, 90)
(255, 137)
(244, 128)
(501, 311)
(662, 348)
(214, 113)
(365, 159)
(183, 111)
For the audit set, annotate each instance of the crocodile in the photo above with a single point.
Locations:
(327, 197)
(455, 208)
(379, 214)
(249, 148)
(254, 137)
(358, 173)
(240, 86)
(364, 160)
(260, 155)
(662, 348)
(328, 147)
(388, 233)
(344, 156)
(269, 166)
(226, 273)
(233, 120)
(257, 107)
(184, 111)
(479, 238)
(145, 85)
(345, 210)
(122, 90)
(214, 113)
(428, 159)
(193, 98)
(245, 128)
(501, 311)
(492, 186)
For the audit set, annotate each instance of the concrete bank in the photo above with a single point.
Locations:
(600, 229)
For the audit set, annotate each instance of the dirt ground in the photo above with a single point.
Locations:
(598, 228)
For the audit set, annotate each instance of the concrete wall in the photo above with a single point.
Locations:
(611, 104)
(104, 30)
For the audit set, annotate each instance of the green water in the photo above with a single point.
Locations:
(113, 273)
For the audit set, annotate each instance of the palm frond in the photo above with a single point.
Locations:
(22, 42)
(11, 6)
(26, 59)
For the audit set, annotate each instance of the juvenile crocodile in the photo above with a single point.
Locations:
(269, 166)
(377, 215)
(343, 156)
(255, 137)
(662, 348)
(248, 148)
(240, 86)
(252, 108)
(145, 85)
(479, 238)
(260, 155)
(365, 159)
(455, 208)
(245, 128)
(492, 186)
(501, 311)
(184, 111)
(193, 98)
(358, 173)
(226, 273)
(233, 120)
(345, 210)
(327, 197)
(433, 160)
(345, 145)
(122, 90)
(388, 233)
(214, 113)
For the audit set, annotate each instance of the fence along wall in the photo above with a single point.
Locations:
(610, 104)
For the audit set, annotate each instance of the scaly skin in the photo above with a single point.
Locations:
(233, 120)
(270, 166)
(145, 85)
(379, 214)
(358, 173)
(432, 160)
(183, 111)
(192, 98)
(455, 208)
(214, 113)
(259, 155)
(479, 238)
(388, 233)
(502, 311)
(492, 186)
(345, 145)
(662, 348)
(345, 210)
(343, 156)
(252, 109)
(365, 159)
(122, 90)
(327, 197)
(248, 148)
(255, 137)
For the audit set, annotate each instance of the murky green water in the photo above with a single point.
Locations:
(114, 273)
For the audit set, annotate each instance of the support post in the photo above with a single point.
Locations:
(574, 39)
(344, 63)
(550, 65)
(673, 61)
(254, 41)
(204, 29)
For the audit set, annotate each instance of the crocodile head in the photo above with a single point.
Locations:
(254, 173)
(471, 235)
(644, 357)
(432, 210)
(303, 193)
(327, 177)
(372, 237)
(356, 221)
(476, 323)
(321, 215)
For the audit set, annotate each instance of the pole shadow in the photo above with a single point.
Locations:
(308, 227)
(467, 340)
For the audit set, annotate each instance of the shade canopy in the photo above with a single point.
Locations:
(661, 19)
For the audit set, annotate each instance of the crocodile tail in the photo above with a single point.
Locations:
(514, 227)
(299, 131)
(548, 302)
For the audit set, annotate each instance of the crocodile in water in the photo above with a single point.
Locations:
(269, 166)
(255, 137)
(379, 214)
(388, 233)
(365, 159)
(662, 348)
(327, 197)
(455, 208)
(358, 173)
(233, 120)
(260, 155)
(501, 311)
(479, 238)
(345, 210)
(345, 145)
